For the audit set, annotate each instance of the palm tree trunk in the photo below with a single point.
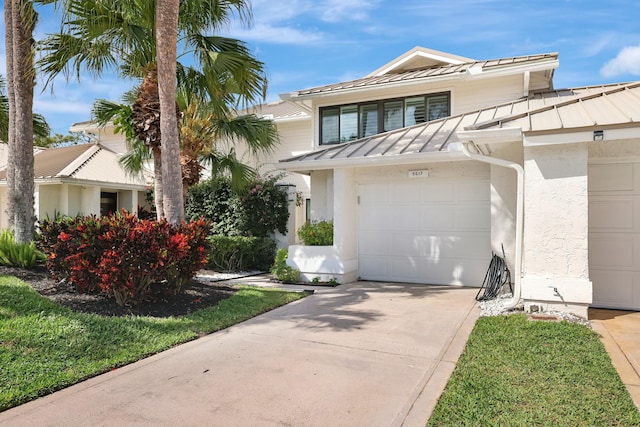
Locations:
(19, 25)
(167, 12)
(158, 189)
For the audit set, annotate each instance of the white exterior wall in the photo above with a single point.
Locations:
(90, 200)
(322, 195)
(556, 252)
(504, 204)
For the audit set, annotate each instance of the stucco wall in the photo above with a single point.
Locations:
(556, 262)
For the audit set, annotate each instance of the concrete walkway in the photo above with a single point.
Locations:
(620, 333)
(361, 354)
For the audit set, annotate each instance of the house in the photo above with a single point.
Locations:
(434, 161)
(78, 180)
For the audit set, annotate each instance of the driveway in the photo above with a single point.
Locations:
(361, 354)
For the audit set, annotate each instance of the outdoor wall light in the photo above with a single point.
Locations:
(598, 135)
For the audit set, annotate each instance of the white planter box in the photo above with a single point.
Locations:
(322, 262)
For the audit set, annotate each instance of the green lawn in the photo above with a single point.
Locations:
(515, 372)
(45, 347)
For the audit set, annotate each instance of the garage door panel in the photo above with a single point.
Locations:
(618, 289)
(404, 193)
(436, 191)
(614, 235)
(374, 194)
(607, 251)
(612, 213)
(436, 217)
(431, 239)
(404, 217)
(369, 241)
(376, 219)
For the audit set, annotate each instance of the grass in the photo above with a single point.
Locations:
(514, 372)
(45, 347)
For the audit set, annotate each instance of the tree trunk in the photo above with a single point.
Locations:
(157, 180)
(19, 25)
(166, 39)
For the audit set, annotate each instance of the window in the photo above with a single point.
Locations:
(348, 122)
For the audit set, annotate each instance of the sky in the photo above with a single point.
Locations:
(308, 43)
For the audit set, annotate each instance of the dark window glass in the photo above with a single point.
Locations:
(392, 115)
(368, 120)
(330, 127)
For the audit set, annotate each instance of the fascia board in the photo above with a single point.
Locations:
(582, 135)
(101, 184)
(475, 73)
(405, 159)
(491, 136)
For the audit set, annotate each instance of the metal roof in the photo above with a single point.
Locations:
(89, 162)
(278, 110)
(548, 110)
(426, 73)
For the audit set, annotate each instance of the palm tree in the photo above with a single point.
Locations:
(41, 128)
(167, 12)
(120, 34)
(20, 20)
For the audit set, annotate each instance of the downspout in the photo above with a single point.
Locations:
(466, 138)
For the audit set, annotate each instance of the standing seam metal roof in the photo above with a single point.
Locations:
(612, 104)
(427, 73)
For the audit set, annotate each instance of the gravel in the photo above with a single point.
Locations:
(496, 307)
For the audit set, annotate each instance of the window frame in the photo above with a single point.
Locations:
(380, 113)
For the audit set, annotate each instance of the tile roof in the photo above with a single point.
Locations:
(416, 75)
(548, 110)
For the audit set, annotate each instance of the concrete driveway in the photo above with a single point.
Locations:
(361, 354)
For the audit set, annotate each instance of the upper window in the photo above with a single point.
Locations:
(348, 122)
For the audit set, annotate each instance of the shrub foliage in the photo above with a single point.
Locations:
(239, 253)
(256, 211)
(281, 271)
(317, 233)
(124, 256)
(24, 255)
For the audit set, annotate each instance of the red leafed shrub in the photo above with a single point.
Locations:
(124, 256)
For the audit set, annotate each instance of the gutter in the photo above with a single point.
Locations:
(470, 139)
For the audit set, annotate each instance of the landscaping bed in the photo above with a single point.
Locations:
(200, 294)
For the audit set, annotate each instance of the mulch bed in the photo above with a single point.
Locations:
(199, 295)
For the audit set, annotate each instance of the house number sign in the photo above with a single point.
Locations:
(422, 173)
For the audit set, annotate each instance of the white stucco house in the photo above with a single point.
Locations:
(78, 180)
(434, 161)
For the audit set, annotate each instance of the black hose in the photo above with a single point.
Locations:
(496, 277)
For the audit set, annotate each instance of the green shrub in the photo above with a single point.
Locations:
(239, 253)
(281, 271)
(13, 254)
(122, 255)
(317, 233)
(259, 210)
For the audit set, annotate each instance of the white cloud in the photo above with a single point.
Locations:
(626, 62)
(345, 10)
(278, 35)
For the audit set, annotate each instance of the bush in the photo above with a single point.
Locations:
(258, 211)
(122, 255)
(239, 253)
(318, 233)
(281, 271)
(14, 254)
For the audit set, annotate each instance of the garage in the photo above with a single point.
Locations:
(614, 234)
(424, 230)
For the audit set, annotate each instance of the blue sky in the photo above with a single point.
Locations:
(306, 43)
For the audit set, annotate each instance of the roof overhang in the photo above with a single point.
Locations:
(308, 166)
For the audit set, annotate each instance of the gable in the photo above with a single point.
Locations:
(419, 58)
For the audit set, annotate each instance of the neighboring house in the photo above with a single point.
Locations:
(432, 162)
(78, 180)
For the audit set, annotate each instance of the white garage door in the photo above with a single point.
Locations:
(614, 235)
(424, 231)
